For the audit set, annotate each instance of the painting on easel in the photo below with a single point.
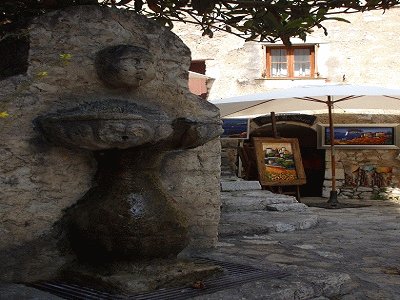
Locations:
(279, 161)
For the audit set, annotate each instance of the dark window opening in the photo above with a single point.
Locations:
(198, 66)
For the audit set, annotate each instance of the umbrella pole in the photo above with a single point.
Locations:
(333, 194)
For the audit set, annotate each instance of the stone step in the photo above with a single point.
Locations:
(227, 172)
(252, 200)
(255, 194)
(226, 168)
(251, 204)
(240, 185)
(264, 222)
(287, 207)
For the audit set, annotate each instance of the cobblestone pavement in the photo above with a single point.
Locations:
(352, 253)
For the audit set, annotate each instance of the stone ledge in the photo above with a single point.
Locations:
(240, 185)
(243, 202)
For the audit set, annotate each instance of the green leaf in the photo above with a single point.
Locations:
(248, 24)
(4, 114)
(338, 19)
(125, 2)
(42, 74)
(234, 19)
(65, 56)
(208, 32)
(295, 24)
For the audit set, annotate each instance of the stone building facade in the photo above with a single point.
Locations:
(360, 52)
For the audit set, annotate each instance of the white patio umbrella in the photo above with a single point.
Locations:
(313, 98)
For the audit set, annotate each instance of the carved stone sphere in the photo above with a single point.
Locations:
(125, 66)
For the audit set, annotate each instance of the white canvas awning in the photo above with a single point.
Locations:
(310, 98)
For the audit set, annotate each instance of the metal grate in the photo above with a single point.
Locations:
(234, 275)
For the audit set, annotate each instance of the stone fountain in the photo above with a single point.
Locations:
(109, 157)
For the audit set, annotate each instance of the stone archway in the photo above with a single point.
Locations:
(313, 158)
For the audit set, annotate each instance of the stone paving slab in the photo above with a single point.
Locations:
(276, 290)
(302, 283)
(261, 222)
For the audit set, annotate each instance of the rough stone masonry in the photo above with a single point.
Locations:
(42, 178)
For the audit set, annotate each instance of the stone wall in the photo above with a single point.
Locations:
(229, 155)
(39, 181)
(363, 174)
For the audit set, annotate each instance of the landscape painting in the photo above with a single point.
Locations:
(360, 135)
(279, 161)
(235, 128)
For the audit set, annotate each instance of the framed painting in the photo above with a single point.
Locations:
(279, 161)
(235, 128)
(378, 136)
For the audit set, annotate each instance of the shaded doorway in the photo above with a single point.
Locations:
(313, 158)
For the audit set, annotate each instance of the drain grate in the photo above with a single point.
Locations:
(234, 275)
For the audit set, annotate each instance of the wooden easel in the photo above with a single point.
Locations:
(249, 162)
(280, 189)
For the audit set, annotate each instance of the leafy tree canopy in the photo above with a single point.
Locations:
(263, 20)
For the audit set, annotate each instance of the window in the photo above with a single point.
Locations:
(290, 62)
(198, 66)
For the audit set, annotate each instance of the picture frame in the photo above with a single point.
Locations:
(238, 128)
(359, 136)
(279, 161)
